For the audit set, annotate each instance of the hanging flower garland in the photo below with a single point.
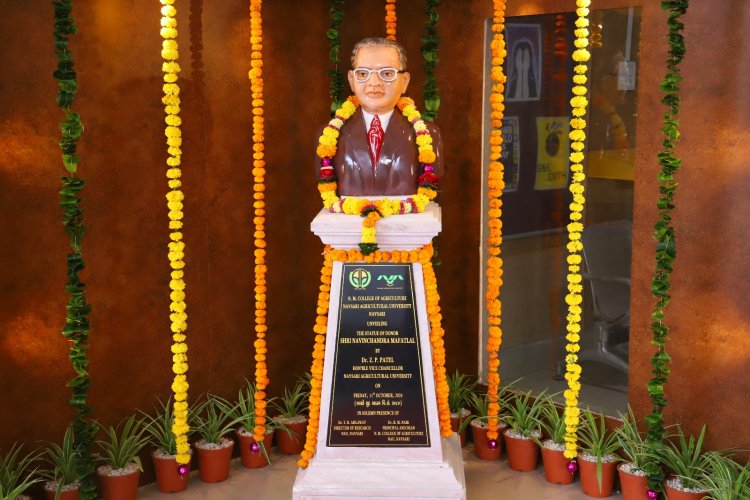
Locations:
(336, 13)
(575, 228)
(171, 101)
(390, 19)
(429, 50)
(495, 185)
(259, 205)
(664, 232)
(373, 210)
(423, 256)
(76, 327)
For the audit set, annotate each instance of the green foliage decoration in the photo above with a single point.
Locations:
(666, 247)
(336, 12)
(430, 44)
(76, 328)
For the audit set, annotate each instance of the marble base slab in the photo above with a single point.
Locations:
(370, 480)
(398, 232)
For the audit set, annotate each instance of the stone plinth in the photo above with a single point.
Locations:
(384, 467)
(397, 232)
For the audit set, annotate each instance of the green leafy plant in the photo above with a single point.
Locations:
(553, 422)
(215, 417)
(684, 456)
(336, 12)
(594, 439)
(723, 478)
(460, 386)
(123, 443)
(293, 402)
(666, 246)
(243, 413)
(16, 472)
(62, 462)
(158, 427)
(430, 45)
(524, 412)
(634, 446)
(76, 328)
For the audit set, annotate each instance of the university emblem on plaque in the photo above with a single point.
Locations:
(390, 280)
(360, 278)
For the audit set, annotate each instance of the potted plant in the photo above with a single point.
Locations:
(253, 455)
(62, 480)
(460, 386)
(479, 416)
(596, 458)
(636, 452)
(725, 479)
(685, 459)
(214, 419)
(553, 447)
(522, 436)
(16, 474)
(122, 466)
(292, 415)
(171, 477)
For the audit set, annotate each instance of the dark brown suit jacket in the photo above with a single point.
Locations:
(398, 166)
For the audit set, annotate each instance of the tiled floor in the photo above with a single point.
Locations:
(484, 481)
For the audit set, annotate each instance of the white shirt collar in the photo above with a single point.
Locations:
(384, 119)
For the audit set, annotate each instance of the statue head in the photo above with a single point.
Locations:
(378, 76)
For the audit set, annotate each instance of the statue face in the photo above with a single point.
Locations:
(376, 96)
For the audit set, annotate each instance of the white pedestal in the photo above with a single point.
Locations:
(370, 480)
(398, 232)
(432, 471)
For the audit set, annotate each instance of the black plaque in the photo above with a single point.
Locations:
(378, 396)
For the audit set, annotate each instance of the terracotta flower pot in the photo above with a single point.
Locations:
(249, 458)
(523, 453)
(481, 444)
(556, 466)
(589, 481)
(456, 420)
(64, 495)
(675, 494)
(168, 479)
(213, 464)
(292, 442)
(123, 487)
(633, 487)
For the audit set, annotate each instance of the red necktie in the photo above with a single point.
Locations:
(375, 137)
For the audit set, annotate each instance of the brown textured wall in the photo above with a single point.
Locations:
(123, 153)
(708, 316)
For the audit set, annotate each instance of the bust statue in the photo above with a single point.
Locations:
(388, 165)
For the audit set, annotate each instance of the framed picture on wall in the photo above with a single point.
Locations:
(524, 62)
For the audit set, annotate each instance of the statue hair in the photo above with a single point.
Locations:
(381, 42)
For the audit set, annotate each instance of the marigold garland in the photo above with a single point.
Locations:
(171, 101)
(259, 205)
(495, 185)
(390, 19)
(370, 210)
(575, 228)
(423, 256)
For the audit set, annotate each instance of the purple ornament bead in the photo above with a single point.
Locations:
(572, 466)
(326, 162)
(492, 444)
(183, 470)
(428, 168)
(651, 494)
(255, 448)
